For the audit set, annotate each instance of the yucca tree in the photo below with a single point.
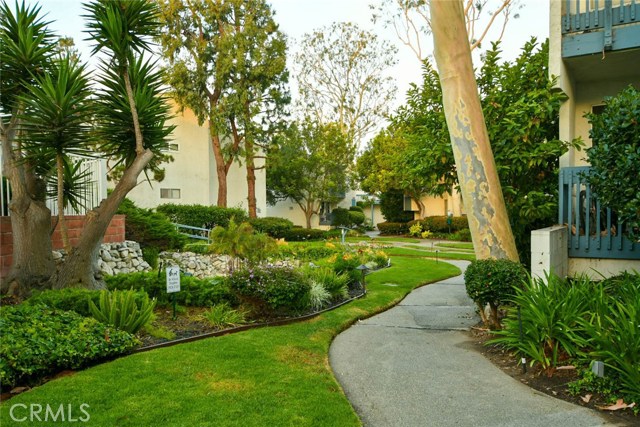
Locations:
(47, 101)
(130, 116)
(26, 50)
(56, 124)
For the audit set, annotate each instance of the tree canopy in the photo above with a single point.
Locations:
(310, 164)
(341, 74)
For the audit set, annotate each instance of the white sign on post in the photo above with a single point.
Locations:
(173, 279)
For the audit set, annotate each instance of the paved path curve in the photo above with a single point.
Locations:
(412, 366)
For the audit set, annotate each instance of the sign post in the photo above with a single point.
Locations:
(173, 284)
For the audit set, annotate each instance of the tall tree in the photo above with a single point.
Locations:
(477, 174)
(411, 20)
(309, 164)
(259, 86)
(129, 124)
(341, 74)
(224, 61)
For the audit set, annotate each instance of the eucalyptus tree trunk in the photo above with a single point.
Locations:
(251, 179)
(488, 220)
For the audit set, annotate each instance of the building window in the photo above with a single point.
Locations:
(169, 193)
(173, 147)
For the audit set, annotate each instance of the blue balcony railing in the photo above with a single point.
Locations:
(592, 26)
(594, 230)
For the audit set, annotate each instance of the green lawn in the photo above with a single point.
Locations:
(396, 239)
(464, 246)
(276, 376)
(405, 251)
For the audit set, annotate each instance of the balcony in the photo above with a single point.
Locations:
(594, 231)
(598, 26)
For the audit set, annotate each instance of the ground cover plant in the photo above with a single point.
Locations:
(266, 376)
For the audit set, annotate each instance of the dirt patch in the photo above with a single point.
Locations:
(555, 385)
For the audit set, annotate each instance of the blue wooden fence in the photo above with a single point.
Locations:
(594, 230)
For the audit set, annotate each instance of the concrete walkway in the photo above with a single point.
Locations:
(413, 366)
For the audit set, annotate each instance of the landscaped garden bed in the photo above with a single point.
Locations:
(297, 280)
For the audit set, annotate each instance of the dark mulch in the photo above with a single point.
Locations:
(555, 385)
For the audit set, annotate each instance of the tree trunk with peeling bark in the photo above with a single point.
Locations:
(221, 172)
(481, 191)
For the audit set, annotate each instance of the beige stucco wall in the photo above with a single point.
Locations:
(597, 268)
(437, 206)
(193, 172)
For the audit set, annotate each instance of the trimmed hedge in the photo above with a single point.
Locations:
(202, 216)
(193, 291)
(393, 228)
(298, 234)
(438, 224)
(37, 341)
(271, 226)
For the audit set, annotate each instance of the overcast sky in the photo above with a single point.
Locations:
(297, 17)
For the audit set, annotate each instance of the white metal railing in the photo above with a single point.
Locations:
(93, 192)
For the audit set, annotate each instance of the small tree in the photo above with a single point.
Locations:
(310, 165)
(615, 157)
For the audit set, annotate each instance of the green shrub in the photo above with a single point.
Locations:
(193, 291)
(202, 216)
(415, 230)
(438, 224)
(551, 316)
(150, 254)
(393, 228)
(335, 284)
(356, 208)
(72, 299)
(462, 235)
(150, 229)
(615, 156)
(197, 248)
(492, 281)
(271, 289)
(119, 309)
(271, 226)
(222, 315)
(356, 218)
(37, 341)
(304, 234)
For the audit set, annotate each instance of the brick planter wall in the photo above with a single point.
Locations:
(75, 225)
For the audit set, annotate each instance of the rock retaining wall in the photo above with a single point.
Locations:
(115, 258)
(200, 266)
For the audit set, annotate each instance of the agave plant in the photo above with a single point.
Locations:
(119, 309)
